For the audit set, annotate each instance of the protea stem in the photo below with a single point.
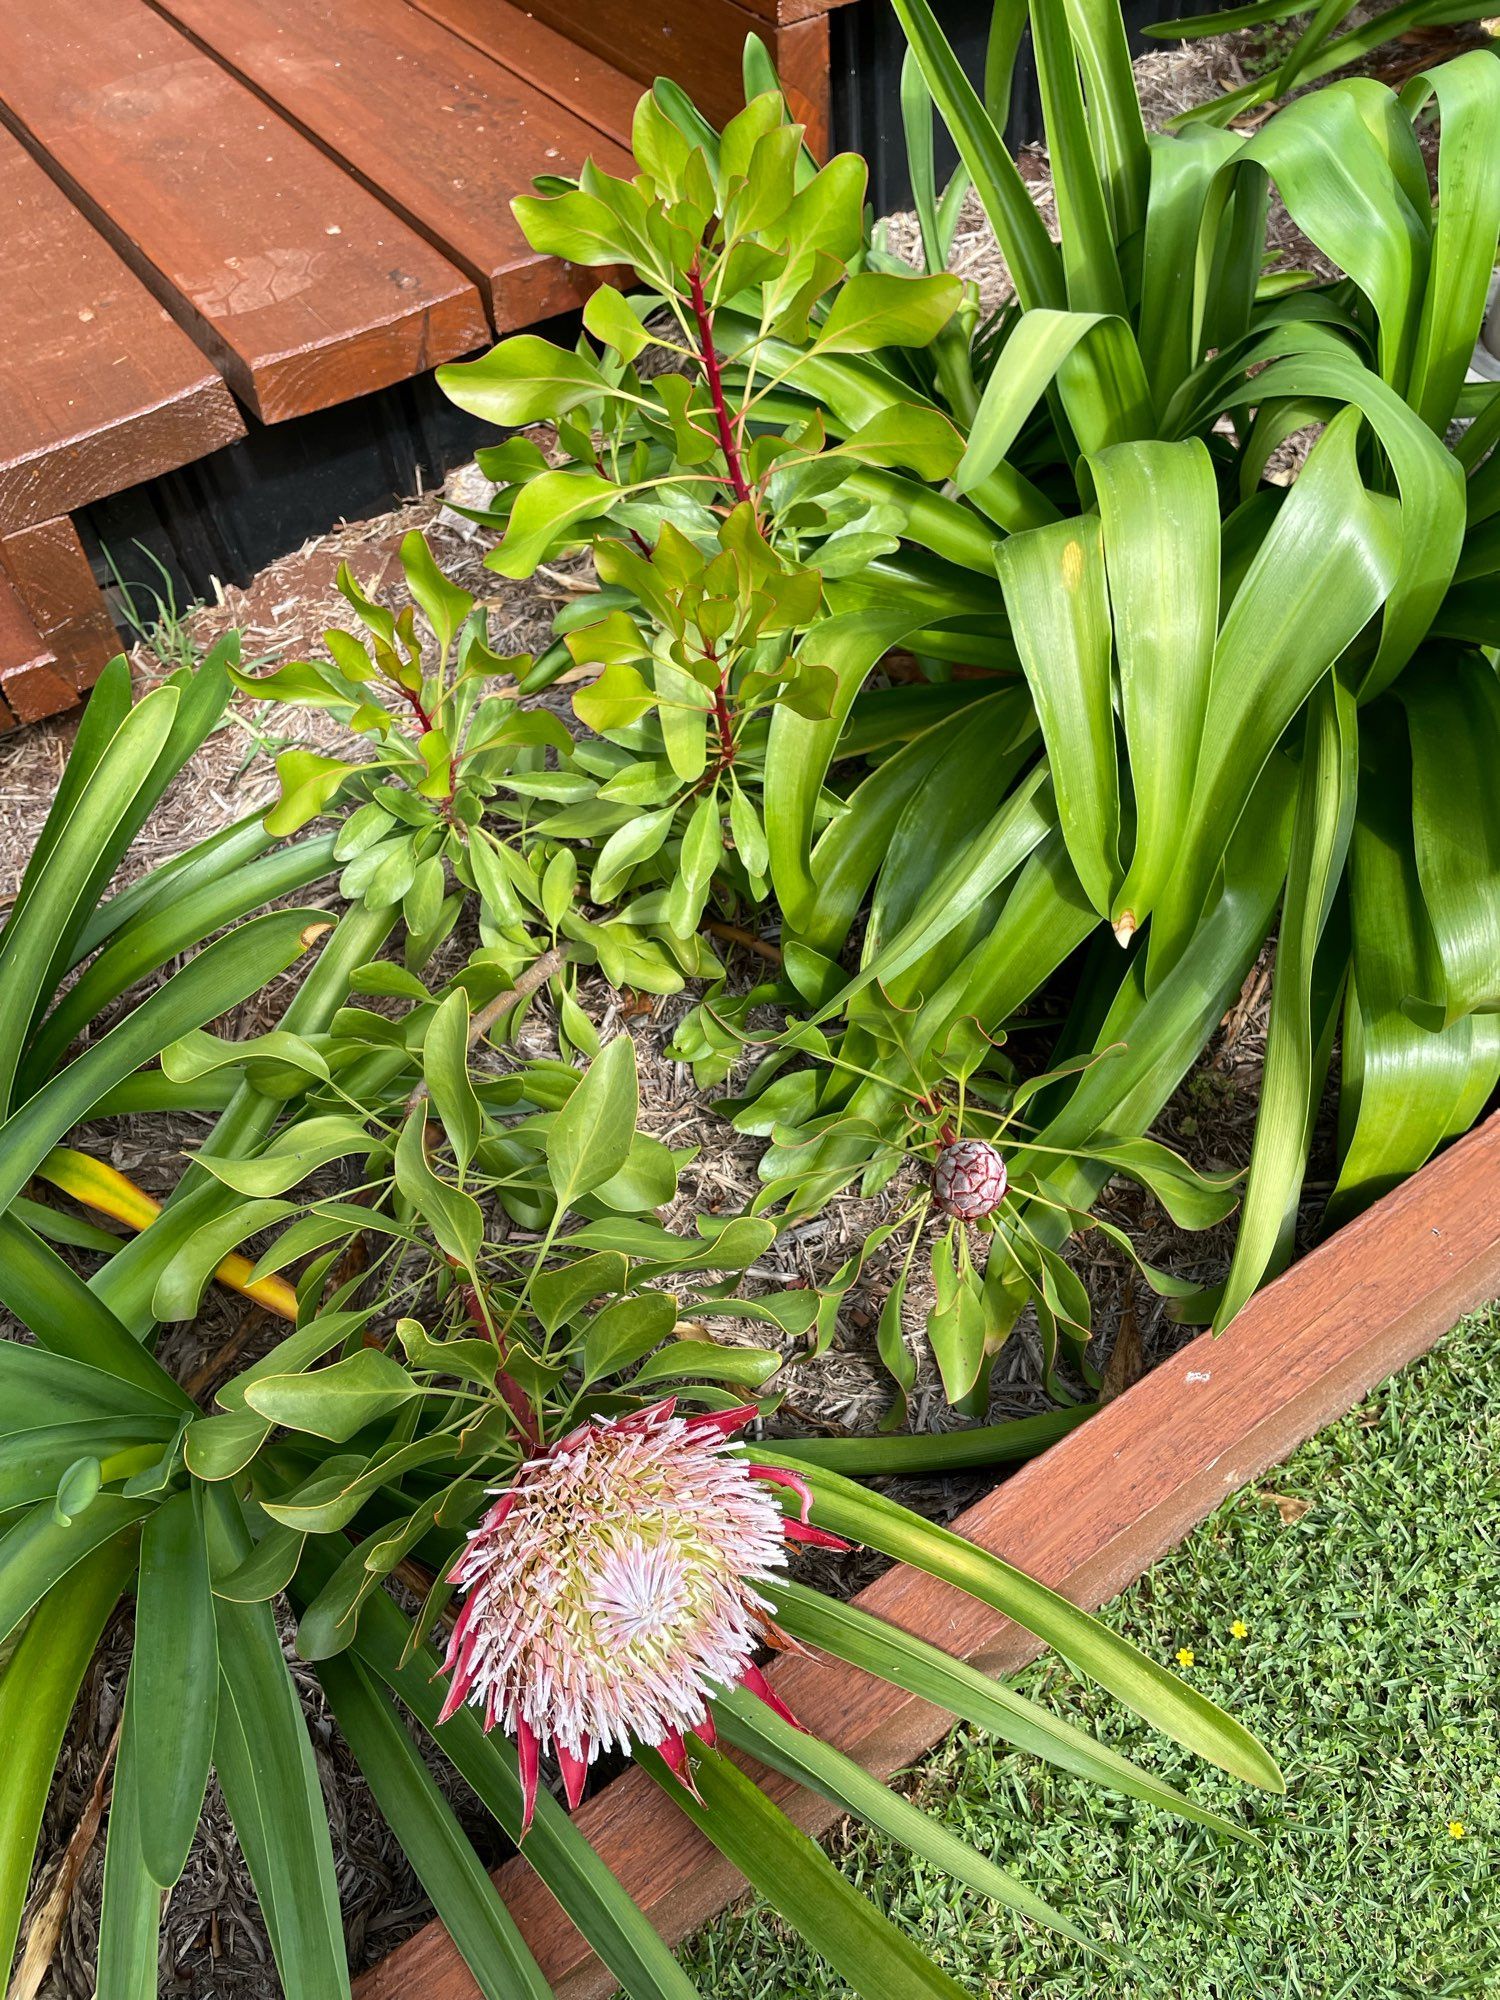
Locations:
(710, 360)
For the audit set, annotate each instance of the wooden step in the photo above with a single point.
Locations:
(30, 685)
(444, 134)
(300, 286)
(99, 389)
(583, 83)
(699, 44)
(49, 569)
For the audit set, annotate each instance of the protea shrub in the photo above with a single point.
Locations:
(611, 1590)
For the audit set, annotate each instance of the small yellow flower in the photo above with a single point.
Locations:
(1185, 1656)
(1456, 1829)
(1239, 1629)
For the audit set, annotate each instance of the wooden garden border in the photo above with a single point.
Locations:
(1087, 1517)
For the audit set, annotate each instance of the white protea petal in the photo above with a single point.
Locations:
(611, 1589)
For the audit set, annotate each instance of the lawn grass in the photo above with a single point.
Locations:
(1366, 1573)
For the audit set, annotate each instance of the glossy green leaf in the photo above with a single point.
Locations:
(174, 1684)
(37, 1690)
(1154, 1694)
(430, 1836)
(877, 1961)
(333, 1402)
(590, 1137)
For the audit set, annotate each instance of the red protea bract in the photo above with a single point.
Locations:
(611, 1589)
(968, 1179)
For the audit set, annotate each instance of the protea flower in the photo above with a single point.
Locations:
(612, 1589)
(968, 1178)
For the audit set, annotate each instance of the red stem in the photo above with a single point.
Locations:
(722, 716)
(515, 1396)
(414, 700)
(715, 383)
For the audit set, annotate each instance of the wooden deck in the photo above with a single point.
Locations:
(216, 213)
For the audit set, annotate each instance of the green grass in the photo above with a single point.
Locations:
(1370, 1666)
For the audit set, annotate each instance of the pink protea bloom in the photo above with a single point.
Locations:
(968, 1179)
(612, 1589)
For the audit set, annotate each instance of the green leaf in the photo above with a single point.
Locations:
(219, 1447)
(1055, 592)
(1405, 1088)
(875, 309)
(545, 515)
(179, 1289)
(309, 783)
(709, 1360)
(445, 604)
(702, 846)
(37, 1691)
(524, 379)
(624, 1331)
(445, 1067)
(1157, 1696)
(1452, 705)
(336, 1401)
(608, 316)
(801, 1884)
(270, 1783)
(906, 434)
(1159, 512)
(430, 1836)
(266, 1571)
(1292, 1076)
(749, 1724)
(1318, 577)
(174, 1684)
(1029, 252)
(590, 1137)
(54, 899)
(130, 1919)
(36, 1554)
(618, 698)
(453, 1216)
(850, 1634)
(76, 1328)
(220, 977)
(557, 1294)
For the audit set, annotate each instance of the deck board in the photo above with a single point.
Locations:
(101, 389)
(582, 82)
(301, 287)
(443, 133)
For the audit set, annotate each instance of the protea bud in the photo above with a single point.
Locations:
(968, 1179)
(611, 1590)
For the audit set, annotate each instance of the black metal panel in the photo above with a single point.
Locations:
(867, 52)
(233, 512)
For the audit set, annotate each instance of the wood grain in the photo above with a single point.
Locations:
(300, 287)
(440, 132)
(1087, 1517)
(47, 565)
(30, 685)
(583, 83)
(700, 44)
(98, 388)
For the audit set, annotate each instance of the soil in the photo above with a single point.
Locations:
(214, 1943)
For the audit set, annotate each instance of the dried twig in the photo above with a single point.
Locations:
(47, 1925)
(530, 981)
(737, 934)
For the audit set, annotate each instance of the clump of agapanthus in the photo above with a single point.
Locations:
(612, 1589)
